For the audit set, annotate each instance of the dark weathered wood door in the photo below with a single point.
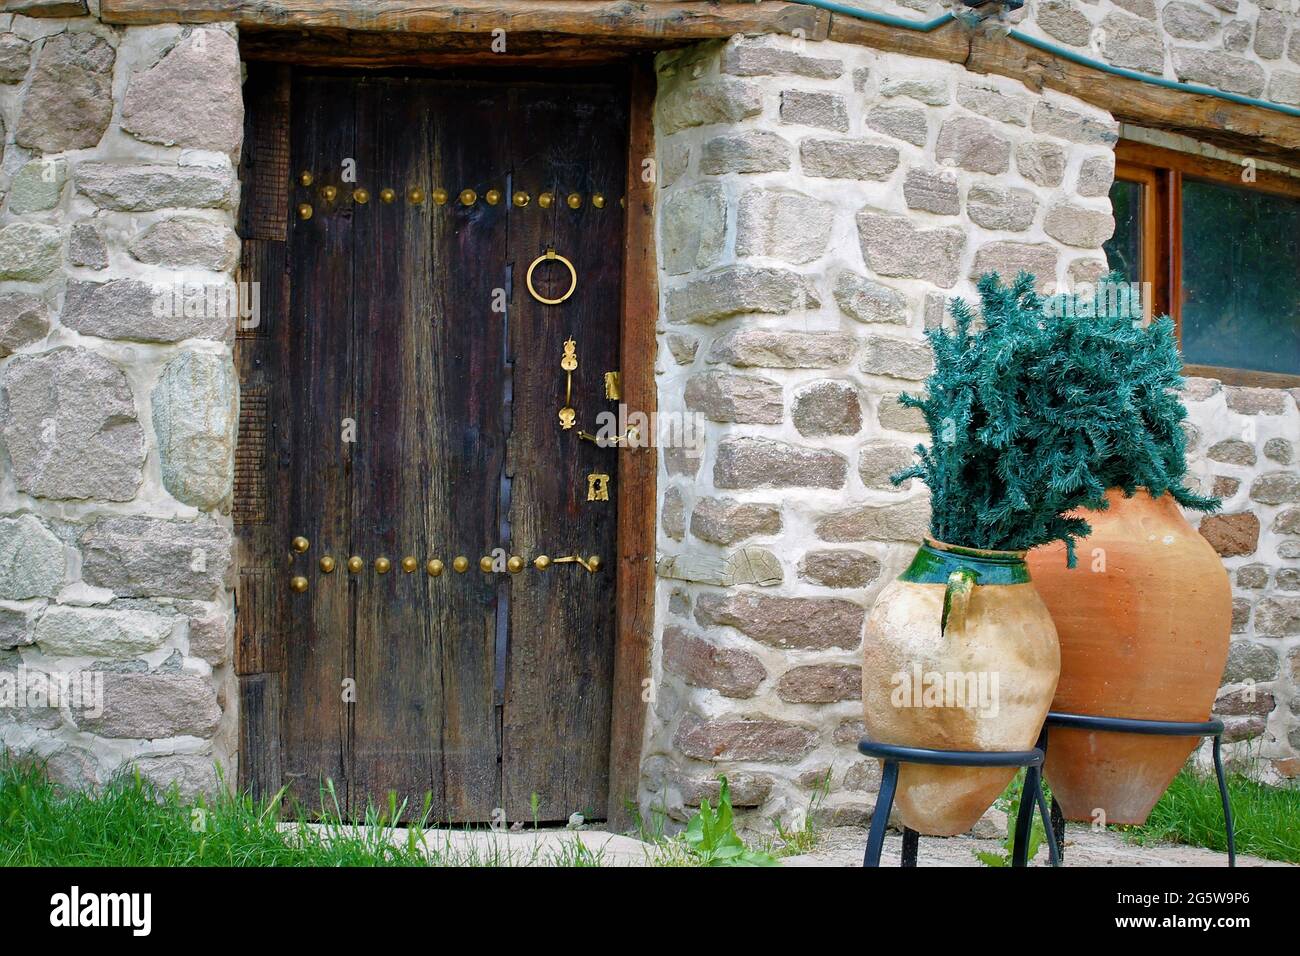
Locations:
(409, 388)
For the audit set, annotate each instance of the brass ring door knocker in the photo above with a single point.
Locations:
(573, 277)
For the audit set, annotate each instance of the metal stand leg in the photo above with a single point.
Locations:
(880, 816)
(1053, 854)
(1025, 818)
(910, 841)
(1223, 795)
(1058, 830)
(1053, 841)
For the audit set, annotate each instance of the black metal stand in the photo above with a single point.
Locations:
(1124, 725)
(893, 754)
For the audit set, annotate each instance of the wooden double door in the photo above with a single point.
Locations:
(402, 396)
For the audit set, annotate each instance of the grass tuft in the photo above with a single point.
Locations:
(130, 822)
(1266, 819)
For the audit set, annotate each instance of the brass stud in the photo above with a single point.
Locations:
(300, 544)
(387, 195)
(304, 210)
(326, 564)
(598, 200)
(409, 564)
(360, 196)
(434, 567)
(541, 562)
(461, 564)
(520, 198)
(574, 201)
(355, 564)
(330, 193)
(440, 196)
(515, 564)
(468, 197)
(493, 196)
(416, 195)
(485, 564)
(593, 563)
(383, 565)
(545, 200)
(306, 178)
(298, 583)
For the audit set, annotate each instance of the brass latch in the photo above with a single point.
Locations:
(631, 436)
(591, 564)
(569, 363)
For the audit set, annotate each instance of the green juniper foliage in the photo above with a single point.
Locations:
(1043, 408)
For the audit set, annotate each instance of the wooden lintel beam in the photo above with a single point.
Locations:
(949, 42)
(1253, 130)
(596, 19)
(535, 25)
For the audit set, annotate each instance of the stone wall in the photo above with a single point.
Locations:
(1251, 47)
(1239, 46)
(819, 204)
(117, 396)
(1244, 448)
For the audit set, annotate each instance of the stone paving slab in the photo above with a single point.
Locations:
(843, 846)
(487, 847)
(839, 846)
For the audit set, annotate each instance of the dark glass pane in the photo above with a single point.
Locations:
(1241, 278)
(1124, 248)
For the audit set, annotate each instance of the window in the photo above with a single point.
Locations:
(1221, 254)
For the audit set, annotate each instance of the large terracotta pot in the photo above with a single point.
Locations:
(971, 619)
(1144, 622)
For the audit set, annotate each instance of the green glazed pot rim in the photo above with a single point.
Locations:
(936, 560)
(986, 554)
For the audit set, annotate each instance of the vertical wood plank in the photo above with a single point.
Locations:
(258, 642)
(259, 735)
(467, 420)
(264, 172)
(637, 500)
(256, 507)
(398, 714)
(310, 405)
(571, 140)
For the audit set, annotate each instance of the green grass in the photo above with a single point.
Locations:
(792, 838)
(130, 823)
(1266, 819)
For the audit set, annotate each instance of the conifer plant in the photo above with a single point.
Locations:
(1037, 406)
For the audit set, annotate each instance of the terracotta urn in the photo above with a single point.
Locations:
(959, 653)
(1144, 622)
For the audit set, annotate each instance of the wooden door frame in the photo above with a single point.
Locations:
(638, 467)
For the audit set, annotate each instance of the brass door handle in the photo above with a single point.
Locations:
(548, 256)
(569, 363)
(591, 564)
(631, 436)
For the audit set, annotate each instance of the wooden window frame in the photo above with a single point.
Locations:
(1161, 172)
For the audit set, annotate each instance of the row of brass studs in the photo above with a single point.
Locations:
(434, 566)
(467, 197)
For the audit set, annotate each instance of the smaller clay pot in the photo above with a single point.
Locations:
(970, 619)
